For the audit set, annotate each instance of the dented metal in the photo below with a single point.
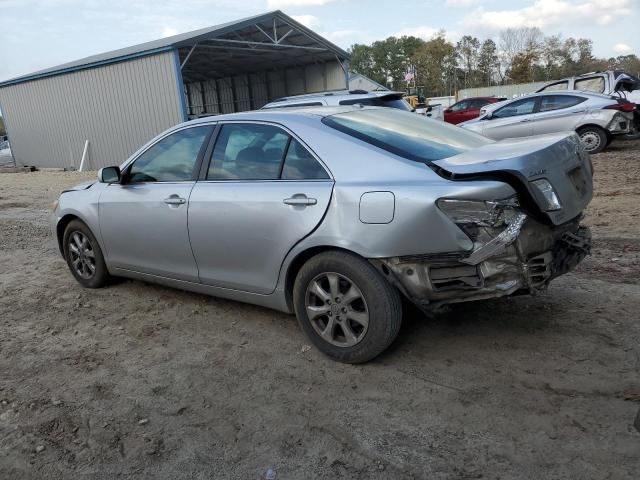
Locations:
(523, 256)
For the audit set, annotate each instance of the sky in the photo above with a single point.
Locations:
(36, 34)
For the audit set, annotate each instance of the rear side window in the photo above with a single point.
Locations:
(405, 134)
(246, 151)
(556, 86)
(594, 84)
(557, 102)
(390, 101)
(299, 164)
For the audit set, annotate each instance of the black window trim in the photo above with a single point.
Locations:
(126, 167)
(208, 155)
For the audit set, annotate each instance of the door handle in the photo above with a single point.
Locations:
(300, 200)
(175, 200)
(578, 111)
(525, 120)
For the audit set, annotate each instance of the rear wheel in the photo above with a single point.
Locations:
(83, 256)
(593, 138)
(346, 308)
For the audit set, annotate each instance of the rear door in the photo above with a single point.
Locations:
(558, 113)
(511, 121)
(262, 192)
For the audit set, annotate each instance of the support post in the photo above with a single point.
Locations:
(84, 155)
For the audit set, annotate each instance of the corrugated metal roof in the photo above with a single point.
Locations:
(175, 41)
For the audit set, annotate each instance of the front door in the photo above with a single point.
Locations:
(264, 191)
(143, 220)
(511, 121)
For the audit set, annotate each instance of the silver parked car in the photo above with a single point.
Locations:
(596, 118)
(334, 213)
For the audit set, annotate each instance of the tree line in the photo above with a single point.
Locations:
(3, 132)
(520, 55)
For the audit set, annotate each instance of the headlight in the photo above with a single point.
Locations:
(549, 194)
(478, 212)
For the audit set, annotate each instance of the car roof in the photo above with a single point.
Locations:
(336, 94)
(280, 114)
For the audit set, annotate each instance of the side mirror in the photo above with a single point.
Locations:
(109, 175)
(488, 115)
(448, 110)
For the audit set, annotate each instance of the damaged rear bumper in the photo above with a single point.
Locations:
(522, 258)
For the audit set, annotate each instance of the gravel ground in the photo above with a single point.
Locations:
(141, 381)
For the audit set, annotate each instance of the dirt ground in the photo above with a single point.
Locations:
(140, 381)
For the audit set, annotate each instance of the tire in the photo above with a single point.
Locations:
(358, 324)
(593, 138)
(84, 256)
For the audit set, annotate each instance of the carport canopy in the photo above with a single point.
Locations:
(255, 44)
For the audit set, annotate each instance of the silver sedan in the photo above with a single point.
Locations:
(336, 214)
(596, 118)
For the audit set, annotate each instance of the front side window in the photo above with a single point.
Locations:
(521, 107)
(171, 159)
(405, 134)
(261, 152)
(556, 86)
(557, 102)
(463, 105)
(594, 84)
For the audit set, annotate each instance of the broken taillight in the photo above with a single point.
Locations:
(622, 107)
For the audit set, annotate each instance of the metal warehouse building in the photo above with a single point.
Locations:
(119, 100)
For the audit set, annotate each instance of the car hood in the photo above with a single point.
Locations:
(80, 186)
(560, 158)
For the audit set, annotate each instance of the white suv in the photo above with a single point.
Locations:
(344, 97)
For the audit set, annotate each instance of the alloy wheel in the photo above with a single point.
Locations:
(337, 309)
(83, 259)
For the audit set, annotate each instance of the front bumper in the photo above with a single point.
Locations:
(526, 259)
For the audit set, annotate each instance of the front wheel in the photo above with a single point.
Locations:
(84, 256)
(593, 138)
(346, 308)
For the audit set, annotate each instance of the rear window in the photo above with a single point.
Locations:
(405, 134)
(389, 101)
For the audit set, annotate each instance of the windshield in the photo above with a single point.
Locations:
(405, 134)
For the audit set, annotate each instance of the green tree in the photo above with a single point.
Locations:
(468, 52)
(488, 62)
(436, 62)
(2, 129)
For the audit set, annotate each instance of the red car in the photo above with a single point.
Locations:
(468, 109)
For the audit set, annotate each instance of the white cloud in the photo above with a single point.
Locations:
(621, 48)
(546, 13)
(168, 32)
(345, 37)
(425, 32)
(296, 3)
(307, 20)
(461, 3)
